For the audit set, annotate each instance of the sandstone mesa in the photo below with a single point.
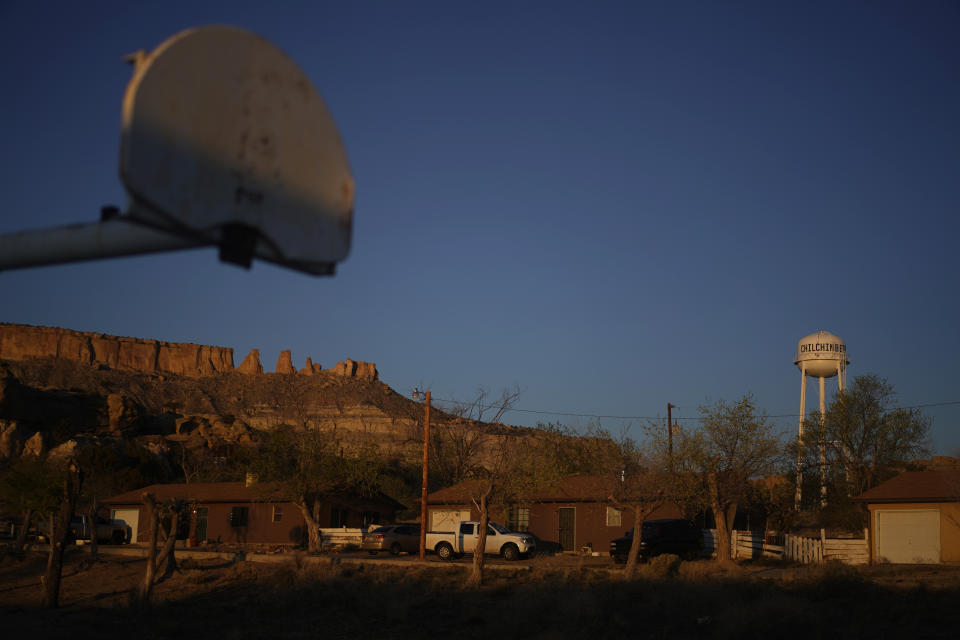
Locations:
(20, 342)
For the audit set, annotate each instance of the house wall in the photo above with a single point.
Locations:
(590, 524)
(591, 528)
(260, 527)
(950, 532)
(949, 526)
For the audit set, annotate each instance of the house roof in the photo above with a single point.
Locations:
(916, 486)
(201, 492)
(214, 492)
(571, 489)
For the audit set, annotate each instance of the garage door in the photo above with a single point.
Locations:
(447, 519)
(129, 518)
(908, 536)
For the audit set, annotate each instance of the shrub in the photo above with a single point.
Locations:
(666, 565)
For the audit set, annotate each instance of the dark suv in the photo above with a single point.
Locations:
(677, 536)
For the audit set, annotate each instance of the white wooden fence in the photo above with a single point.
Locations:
(340, 537)
(805, 550)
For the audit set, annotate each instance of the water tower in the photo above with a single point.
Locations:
(821, 355)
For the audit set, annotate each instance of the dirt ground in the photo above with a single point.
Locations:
(108, 581)
(402, 597)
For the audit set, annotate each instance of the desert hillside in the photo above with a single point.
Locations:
(58, 385)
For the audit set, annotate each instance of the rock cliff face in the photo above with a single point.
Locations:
(20, 342)
(353, 369)
(251, 364)
(284, 363)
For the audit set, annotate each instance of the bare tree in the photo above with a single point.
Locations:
(515, 464)
(484, 407)
(457, 445)
(31, 488)
(636, 478)
(163, 521)
(59, 534)
(306, 466)
(734, 445)
(866, 437)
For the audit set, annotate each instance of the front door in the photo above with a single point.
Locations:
(567, 529)
(200, 517)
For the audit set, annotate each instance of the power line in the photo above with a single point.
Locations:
(598, 416)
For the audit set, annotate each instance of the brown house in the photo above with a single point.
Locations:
(575, 513)
(237, 513)
(915, 518)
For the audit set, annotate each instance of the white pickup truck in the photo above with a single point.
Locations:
(450, 544)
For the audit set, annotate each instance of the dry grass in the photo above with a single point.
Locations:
(669, 599)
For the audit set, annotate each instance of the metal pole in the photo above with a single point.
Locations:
(112, 238)
(423, 491)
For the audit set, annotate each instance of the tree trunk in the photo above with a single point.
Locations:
(51, 555)
(170, 541)
(60, 530)
(639, 515)
(476, 575)
(21, 540)
(722, 546)
(313, 527)
(146, 587)
(92, 520)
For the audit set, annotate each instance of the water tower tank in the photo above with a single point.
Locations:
(821, 354)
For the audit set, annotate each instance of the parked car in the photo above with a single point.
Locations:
(675, 535)
(394, 538)
(500, 541)
(106, 531)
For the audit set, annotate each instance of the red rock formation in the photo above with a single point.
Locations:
(367, 370)
(122, 411)
(10, 439)
(309, 369)
(25, 342)
(353, 369)
(284, 364)
(347, 368)
(251, 364)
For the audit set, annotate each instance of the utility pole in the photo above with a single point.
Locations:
(426, 463)
(670, 434)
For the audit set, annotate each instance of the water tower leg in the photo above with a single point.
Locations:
(823, 445)
(803, 409)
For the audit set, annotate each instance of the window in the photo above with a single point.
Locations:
(239, 517)
(277, 513)
(518, 519)
(613, 517)
(338, 517)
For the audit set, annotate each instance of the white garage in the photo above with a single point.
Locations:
(129, 518)
(908, 536)
(915, 517)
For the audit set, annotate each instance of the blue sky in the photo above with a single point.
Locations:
(613, 205)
